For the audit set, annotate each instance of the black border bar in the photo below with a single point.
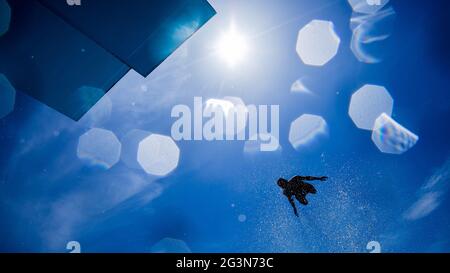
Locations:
(225, 262)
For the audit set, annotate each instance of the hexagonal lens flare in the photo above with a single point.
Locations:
(367, 6)
(158, 155)
(170, 245)
(317, 43)
(5, 16)
(368, 103)
(306, 129)
(99, 147)
(391, 137)
(7, 96)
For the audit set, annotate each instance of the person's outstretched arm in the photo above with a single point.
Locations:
(312, 178)
(293, 205)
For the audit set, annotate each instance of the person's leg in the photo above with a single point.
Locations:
(301, 199)
(294, 207)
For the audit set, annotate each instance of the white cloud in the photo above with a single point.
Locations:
(75, 207)
(424, 206)
(431, 194)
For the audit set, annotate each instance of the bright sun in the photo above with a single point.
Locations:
(232, 47)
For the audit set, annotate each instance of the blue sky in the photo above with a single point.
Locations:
(49, 197)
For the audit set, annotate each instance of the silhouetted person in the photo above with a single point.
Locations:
(299, 188)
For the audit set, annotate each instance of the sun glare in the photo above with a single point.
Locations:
(232, 47)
